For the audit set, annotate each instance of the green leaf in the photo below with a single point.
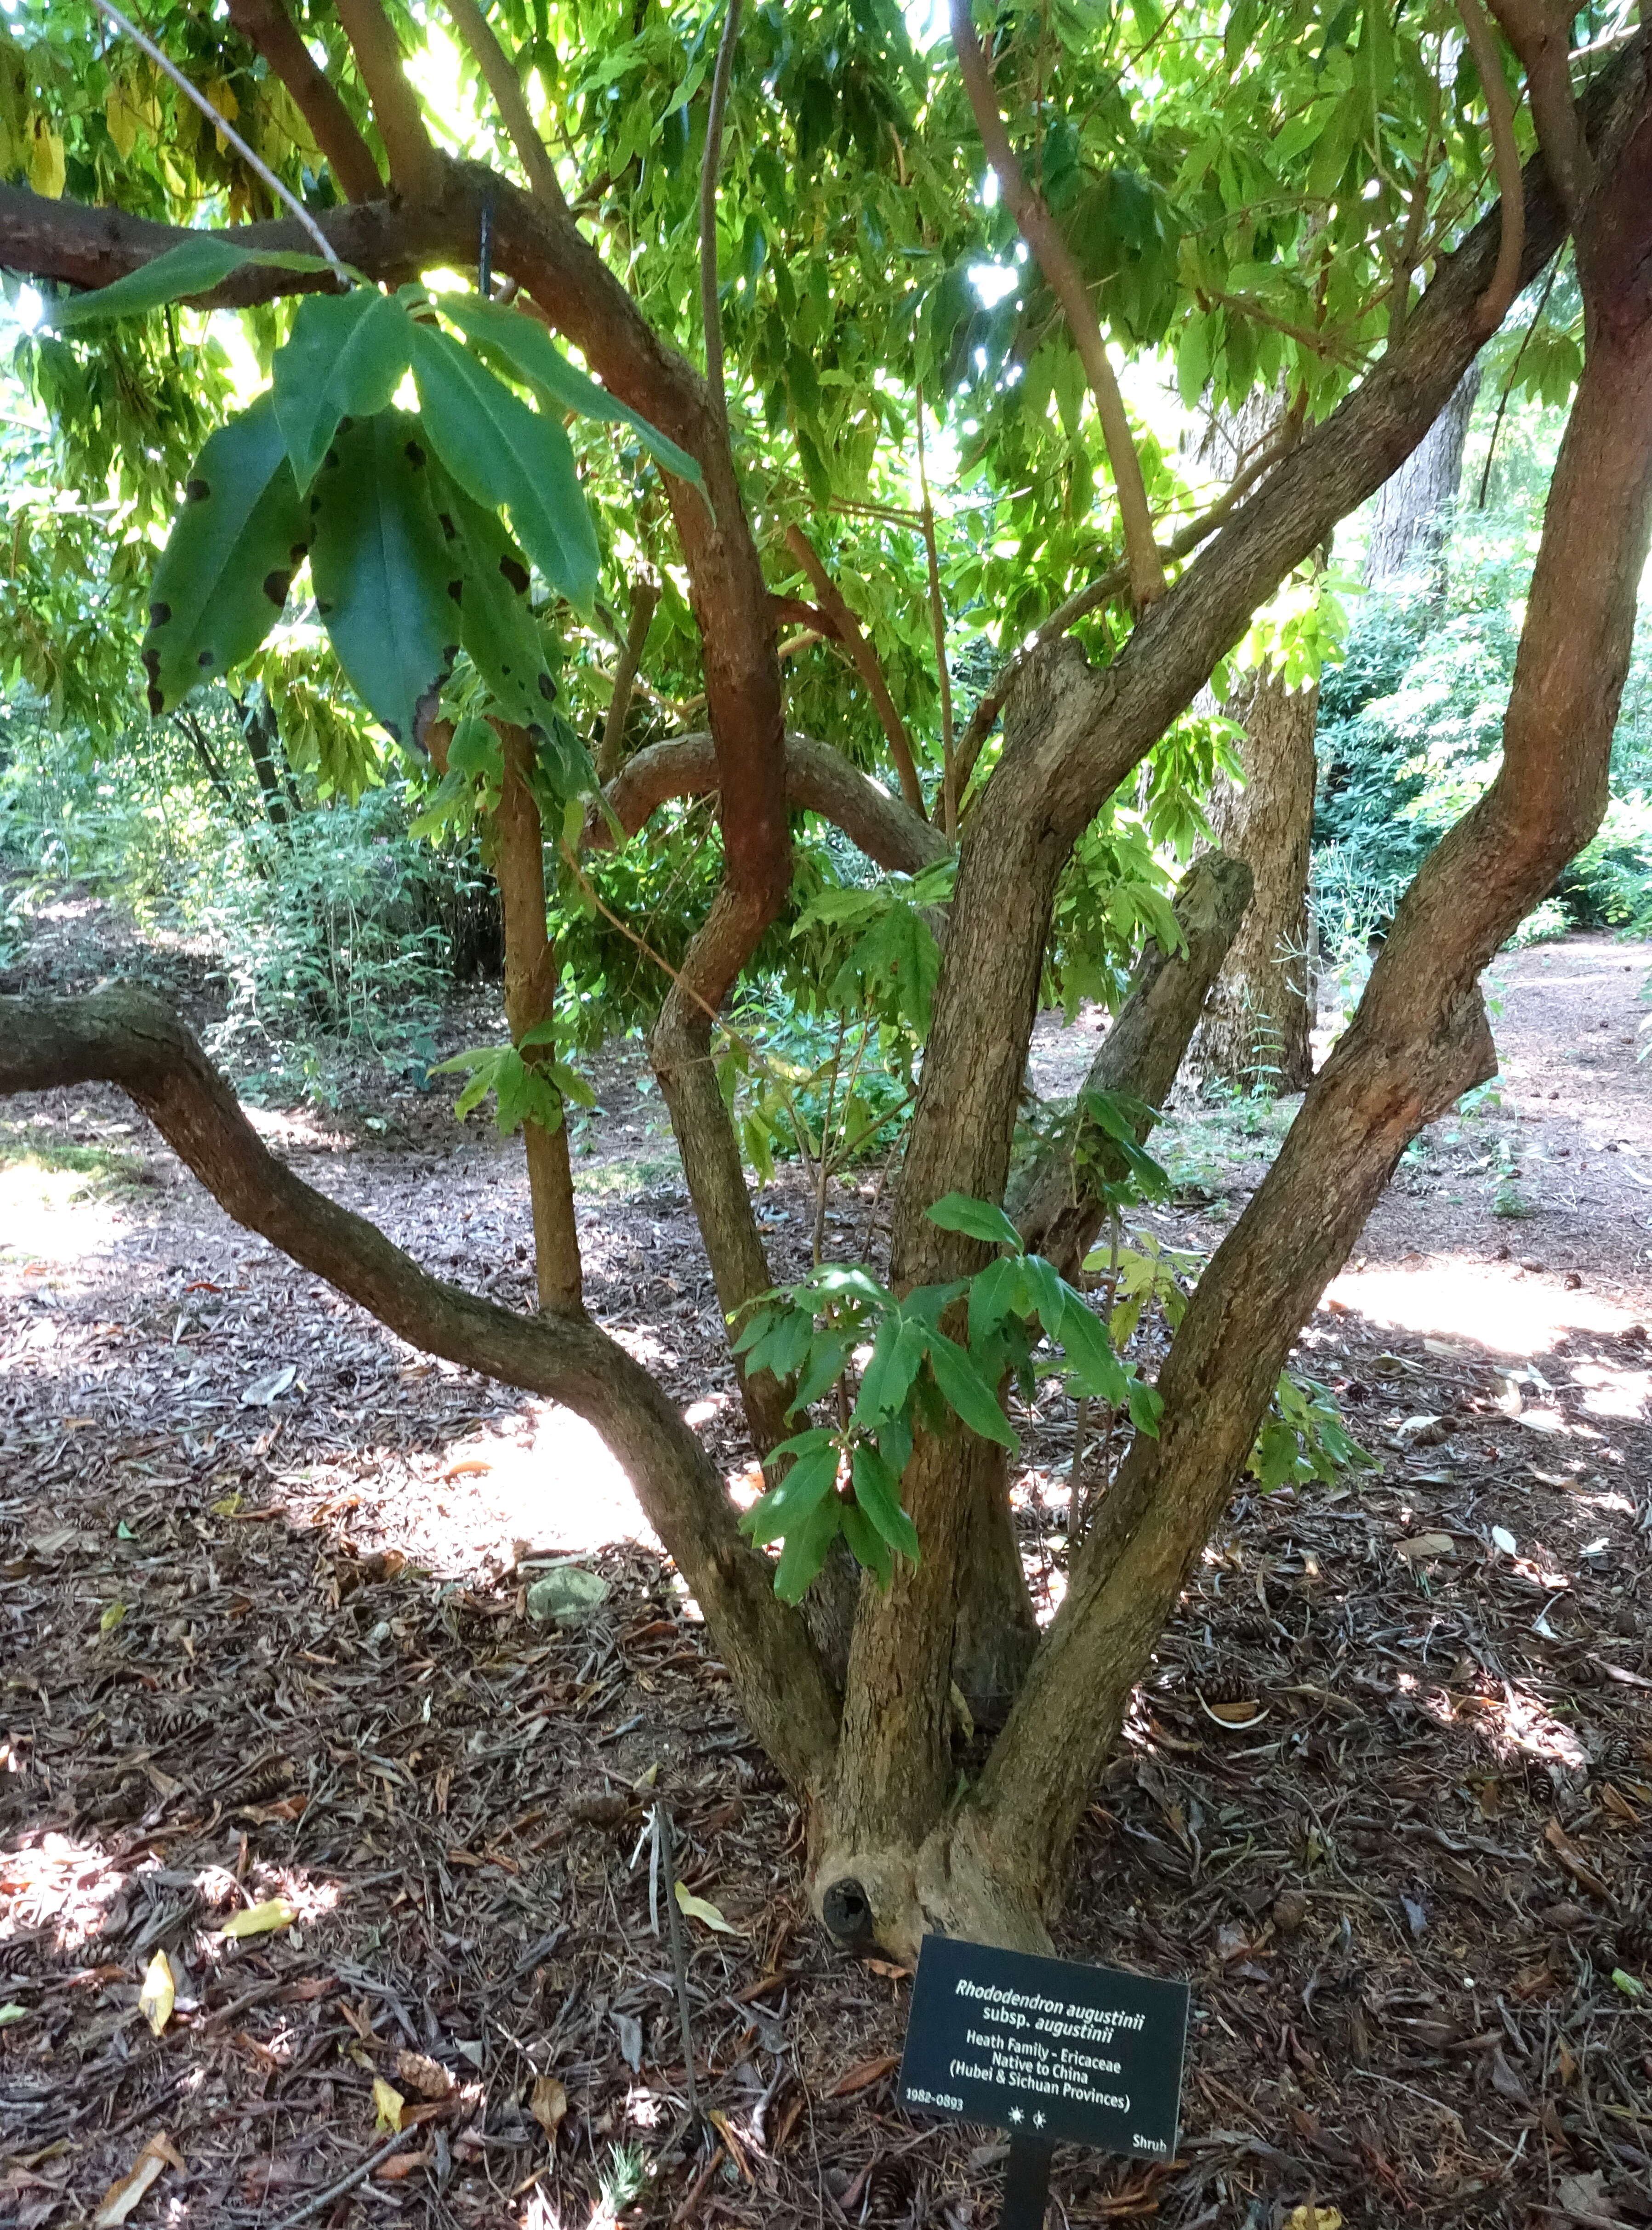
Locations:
(222, 578)
(384, 586)
(345, 359)
(897, 1358)
(531, 354)
(196, 266)
(815, 1436)
(1048, 1292)
(966, 1393)
(1093, 1367)
(877, 1490)
(996, 1292)
(804, 1487)
(806, 1550)
(975, 1219)
(496, 624)
(501, 452)
(827, 1359)
(867, 1545)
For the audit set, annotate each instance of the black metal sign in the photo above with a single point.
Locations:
(1048, 2050)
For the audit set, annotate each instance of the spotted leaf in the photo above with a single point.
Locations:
(222, 578)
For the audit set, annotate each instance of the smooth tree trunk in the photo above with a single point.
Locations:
(1256, 1034)
(530, 999)
(1411, 518)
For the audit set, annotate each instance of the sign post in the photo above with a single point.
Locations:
(1053, 2052)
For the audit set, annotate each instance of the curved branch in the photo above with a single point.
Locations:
(131, 1039)
(850, 634)
(266, 25)
(1056, 262)
(510, 100)
(1493, 306)
(414, 165)
(1540, 35)
(818, 780)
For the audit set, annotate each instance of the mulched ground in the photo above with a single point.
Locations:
(1384, 1801)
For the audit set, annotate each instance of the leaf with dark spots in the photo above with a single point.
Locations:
(415, 455)
(515, 573)
(276, 585)
(498, 630)
(212, 603)
(381, 570)
(344, 363)
(457, 590)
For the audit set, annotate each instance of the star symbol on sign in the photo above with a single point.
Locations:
(1038, 2121)
(1015, 2113)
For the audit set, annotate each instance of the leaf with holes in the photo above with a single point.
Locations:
(501, 452)
(384, 586)
(344, 360)
(533, 358)
(222, 578)
(496, 623)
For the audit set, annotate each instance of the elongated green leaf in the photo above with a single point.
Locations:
(535, 359)
(384, 583)
(496, 624)
(1049, 1293)
(196, 266)
(788, 1505)
(867, 1545)
(975, 1219)
(878, 1491)
(344, 360)
(966, 1393)
(223, 576)
(501, 452)
(897, 1358)
(1095, 1369)
(805, 1551)
(827, 1358)
(998, 1292)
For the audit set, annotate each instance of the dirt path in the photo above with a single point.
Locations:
(262, 1578)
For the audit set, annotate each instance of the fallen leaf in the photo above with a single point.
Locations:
(1313, 2218)
(1503, 1539)
(1632, 1987)
(547, 2103)
(1421, 1546)
(698, 1909)
(1249, 1713)
(389, 2105)
(156, 1999)
(1573, 1860)
(263, 1391)
(862, 2077)
(123, 2196)
(399, 2166)
(888, 1969)
(261, 1919)
(14, 2011)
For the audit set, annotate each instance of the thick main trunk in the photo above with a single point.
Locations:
(530, 999)
(1071, 737)
(1418, 1040)
(1255, 1033)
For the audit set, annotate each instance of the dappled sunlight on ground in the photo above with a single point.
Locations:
(544, 1479)
(1497, 1306)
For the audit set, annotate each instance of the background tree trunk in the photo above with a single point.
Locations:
(1257, 1029)
(1412, 519)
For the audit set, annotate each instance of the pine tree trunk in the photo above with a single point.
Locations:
(1412, 516)
(1255, 1033)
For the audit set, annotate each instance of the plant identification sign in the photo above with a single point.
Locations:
(1048, 2050)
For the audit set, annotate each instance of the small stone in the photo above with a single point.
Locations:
(1290, 1911)
(566, 1597)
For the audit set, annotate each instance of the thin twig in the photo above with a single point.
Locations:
(937, 622)
(711, 315)
(253, 162)
(1508, 383)
(679, 1957)
(312, 2208)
